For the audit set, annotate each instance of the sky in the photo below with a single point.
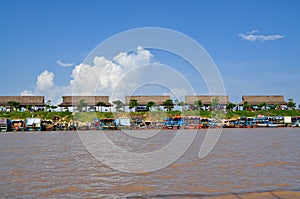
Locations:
(254, 44)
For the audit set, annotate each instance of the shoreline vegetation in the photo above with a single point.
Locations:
(171, 119)
(149, 115)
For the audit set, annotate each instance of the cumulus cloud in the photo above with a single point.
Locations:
(63, 64)
(45, 81)
(139, 57)
(98, 78)
(252, 36)
(103, 75)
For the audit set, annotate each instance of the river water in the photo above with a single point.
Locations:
(57, 165)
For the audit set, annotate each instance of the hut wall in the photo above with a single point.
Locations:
(268, 99)
(23, 100)
(90, 100)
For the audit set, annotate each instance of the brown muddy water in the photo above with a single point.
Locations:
(57, 165)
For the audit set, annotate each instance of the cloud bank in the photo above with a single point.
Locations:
(99, 78)
(252, 36)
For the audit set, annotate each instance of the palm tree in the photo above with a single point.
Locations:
(48, 107)
(53, 107)
(29, 107)
(198, 104)
(264, 104)
(230, 106)
(168, 104)
(246, 105)
(81, 105)
(118, 104)
(101, 104)
(149, 105)
(277, 106)
(291, 104)
(214, 103)
(133, 103)
(13, 104)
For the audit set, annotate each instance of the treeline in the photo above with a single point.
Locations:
(152, 115)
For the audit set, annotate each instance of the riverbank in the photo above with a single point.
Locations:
(274, 194)
(47, 121)
(159, 115)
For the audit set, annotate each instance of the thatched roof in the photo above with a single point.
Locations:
(69, 101)
(143, 100)
(23, 100)
(259, 99)
(206, 99)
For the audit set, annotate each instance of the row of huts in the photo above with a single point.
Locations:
(92, 101)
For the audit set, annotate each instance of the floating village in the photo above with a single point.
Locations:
(145, 105)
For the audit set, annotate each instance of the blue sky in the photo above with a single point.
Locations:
(255, 44)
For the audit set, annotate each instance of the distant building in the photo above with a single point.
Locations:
(144, 99)
(269, 100)
(36, 101)
(207, 100)
(90, 101)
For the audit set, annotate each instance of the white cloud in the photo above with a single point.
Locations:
(59, 62)
(98, 78)
(251, 36)
(45, 86)
(26, 93)
(137, 58)
(45, 81)
(104, 74)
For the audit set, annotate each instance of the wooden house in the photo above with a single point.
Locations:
(269, 100)
(37, 101)
(142, 100)
(89, 101)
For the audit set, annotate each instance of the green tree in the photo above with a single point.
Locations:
(13, 105)
(53, 107)
(276, 106)
(29, 107)
(291, 104)
(246, 105)
(81, 105)
(262, 105)
(230, 106)
(47, 107)
(149, 105)
(101, 104)
(198, 104)
(17, 105)
(168, 104)
(118, 104)
(214, 103)
(133, 103)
